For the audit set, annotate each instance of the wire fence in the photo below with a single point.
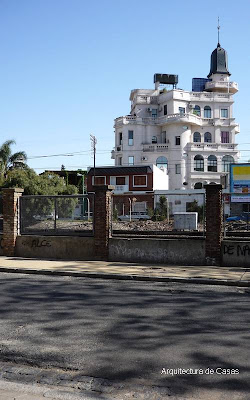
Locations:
(236, 211)
(57, 215)
(159, 213)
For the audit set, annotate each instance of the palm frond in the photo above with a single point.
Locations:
(18, 156)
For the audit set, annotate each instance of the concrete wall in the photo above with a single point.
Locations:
(57, 247)
(168, 251)
(235, 253)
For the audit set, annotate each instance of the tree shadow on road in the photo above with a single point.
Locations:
(127, 331)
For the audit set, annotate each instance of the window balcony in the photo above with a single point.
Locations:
(206, 96)
(155, 147)
(230, 87)
(180, 118)
(212, 146)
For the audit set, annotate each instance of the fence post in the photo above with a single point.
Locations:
(102, 220)
(11, 219)
(214, 223)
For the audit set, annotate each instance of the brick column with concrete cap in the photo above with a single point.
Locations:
(10, 219)
(102, 220)
(214, 223)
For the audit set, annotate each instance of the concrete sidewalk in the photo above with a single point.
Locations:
(235, 276)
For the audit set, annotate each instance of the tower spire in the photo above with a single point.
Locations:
(218, 27)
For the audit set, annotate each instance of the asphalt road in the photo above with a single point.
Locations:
(130, 331)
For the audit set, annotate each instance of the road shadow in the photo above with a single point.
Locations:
(128, 331)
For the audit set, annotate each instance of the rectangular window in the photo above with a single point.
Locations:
(224, 137)
(212, 165)
(177, 168)
(181, 110)
(120, 138)
(99, 180)
(119, 160)
(163, 137)
(177, 140)
(130, 138)
(154, 112)
(140, 180)
(131, 160)
(165, 111)
(224, 113)
(120, 180)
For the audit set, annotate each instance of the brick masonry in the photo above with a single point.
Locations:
(214, 224)
(102, 220)
(10, 219)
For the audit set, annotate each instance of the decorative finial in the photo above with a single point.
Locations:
(218, 27)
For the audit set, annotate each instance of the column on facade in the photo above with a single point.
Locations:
(214, 223)
(102, 219)
(11, 219)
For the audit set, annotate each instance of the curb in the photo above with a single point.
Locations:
(200, 281)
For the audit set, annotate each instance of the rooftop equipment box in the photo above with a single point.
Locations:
(166, 79)
(184, 221)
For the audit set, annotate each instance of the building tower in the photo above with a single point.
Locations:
(192, 133)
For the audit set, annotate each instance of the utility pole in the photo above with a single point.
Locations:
(93, 149)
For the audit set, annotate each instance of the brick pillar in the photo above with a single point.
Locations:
(214, 223)
(102, 219)
(10, 219)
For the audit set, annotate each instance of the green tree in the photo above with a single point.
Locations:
(46, 184)
(194, 207)
(8, 160)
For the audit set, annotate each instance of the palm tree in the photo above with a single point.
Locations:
(8, 160)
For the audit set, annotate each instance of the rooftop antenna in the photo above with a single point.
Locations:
(218, 27)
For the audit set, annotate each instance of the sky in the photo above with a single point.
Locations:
(67, 68)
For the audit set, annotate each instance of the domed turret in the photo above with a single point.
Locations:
(219, 62)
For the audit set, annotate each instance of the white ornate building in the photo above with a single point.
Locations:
(190, 132)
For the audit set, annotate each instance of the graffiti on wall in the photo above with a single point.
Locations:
(36, 243)
(237, 249)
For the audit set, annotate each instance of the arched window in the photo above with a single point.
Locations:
(198, 185)
(197, 137)
(198, 163)
(162, 162)
(208, 137)
(226, 161)
(207, 112)
(212, 164)
(197, 110)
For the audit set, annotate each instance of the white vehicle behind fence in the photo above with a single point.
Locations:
(135, 215)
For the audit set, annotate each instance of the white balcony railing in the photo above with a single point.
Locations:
(213, 96)
(231, 87)
(177, 118)
(212, 146)
(182, 118)
(155, 147)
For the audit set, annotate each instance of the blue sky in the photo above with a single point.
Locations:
(67, 67)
